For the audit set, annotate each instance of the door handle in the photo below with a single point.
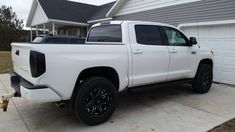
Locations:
(138, 51)
(17, 52)
(194, 52)
(173, 51)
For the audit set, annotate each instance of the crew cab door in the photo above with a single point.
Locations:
(150, 57)
(183, 56)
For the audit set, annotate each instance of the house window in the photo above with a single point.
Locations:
(74, 31)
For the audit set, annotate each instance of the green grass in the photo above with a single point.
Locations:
(5, 62)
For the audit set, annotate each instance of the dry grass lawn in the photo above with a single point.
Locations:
(5, 62)
(226, 127)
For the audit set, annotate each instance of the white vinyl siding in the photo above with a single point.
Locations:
(39, 16)
(200, 11)
(133, 6)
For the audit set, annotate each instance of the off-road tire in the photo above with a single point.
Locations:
(203, 79)
(95, 101)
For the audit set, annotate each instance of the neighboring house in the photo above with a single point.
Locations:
(211, 21)
(65, 17)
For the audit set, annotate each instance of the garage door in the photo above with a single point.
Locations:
(221, 39)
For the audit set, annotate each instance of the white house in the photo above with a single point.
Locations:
(211, 21)
(65, 17)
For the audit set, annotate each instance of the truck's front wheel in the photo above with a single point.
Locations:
(203, 80)
(95, 101)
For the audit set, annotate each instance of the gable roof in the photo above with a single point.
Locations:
(65, 10)
(68, 10)
(102, 11)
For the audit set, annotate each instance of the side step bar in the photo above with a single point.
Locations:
(159, 85)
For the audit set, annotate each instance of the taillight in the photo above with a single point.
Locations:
(37, 63)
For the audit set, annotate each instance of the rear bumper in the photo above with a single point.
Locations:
(31, 92)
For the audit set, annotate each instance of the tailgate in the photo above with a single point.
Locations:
(20, 57)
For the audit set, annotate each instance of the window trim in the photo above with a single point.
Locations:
(105, 43)
(158, 27)
(166, 38)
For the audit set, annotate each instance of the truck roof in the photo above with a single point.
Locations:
(128, 21)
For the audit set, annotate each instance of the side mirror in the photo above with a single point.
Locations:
(193, 41)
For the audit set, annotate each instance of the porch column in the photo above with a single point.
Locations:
(31, 35)
(37, 30)
(67, 32)
(88, 28)
(44, 29)
(79, 32)
(53, 28)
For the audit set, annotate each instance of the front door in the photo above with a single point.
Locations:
(182, 55)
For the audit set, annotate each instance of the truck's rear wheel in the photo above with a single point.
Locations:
(95, 101)
(203, 80)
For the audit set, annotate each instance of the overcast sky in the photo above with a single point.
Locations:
(22, 7)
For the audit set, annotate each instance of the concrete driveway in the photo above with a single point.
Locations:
(164, 110)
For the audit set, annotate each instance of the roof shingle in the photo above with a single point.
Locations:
(102, 11)
(74, 11)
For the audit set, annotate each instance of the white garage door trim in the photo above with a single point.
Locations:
(206, 23)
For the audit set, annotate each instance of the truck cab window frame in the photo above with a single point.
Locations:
(174, 37)
(113, 33)
(148, 35)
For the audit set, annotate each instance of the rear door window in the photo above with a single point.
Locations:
(148, 35)
(107, 33)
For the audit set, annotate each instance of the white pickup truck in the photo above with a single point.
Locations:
(117, 55)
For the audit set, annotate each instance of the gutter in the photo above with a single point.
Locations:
(100, 20)
(211, 23)
(69, 22)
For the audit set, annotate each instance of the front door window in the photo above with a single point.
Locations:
(175, 38)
